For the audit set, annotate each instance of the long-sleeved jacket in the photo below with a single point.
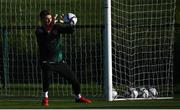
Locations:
(49, 42)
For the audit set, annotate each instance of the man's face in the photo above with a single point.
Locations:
(47, 20)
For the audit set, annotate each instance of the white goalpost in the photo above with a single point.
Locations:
(139, 41)
(107, 52)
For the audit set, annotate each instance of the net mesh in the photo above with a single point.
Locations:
(142, 45)
(20, 71)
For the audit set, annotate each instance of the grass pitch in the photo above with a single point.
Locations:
(98, 103)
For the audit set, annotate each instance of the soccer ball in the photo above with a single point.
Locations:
(133, 93)
(70, 18)
(153, 92)
(114, 93)
(143, 92)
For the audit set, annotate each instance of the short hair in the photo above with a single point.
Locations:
(44, 13)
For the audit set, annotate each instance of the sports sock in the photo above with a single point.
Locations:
(45, 94)
(78, 96)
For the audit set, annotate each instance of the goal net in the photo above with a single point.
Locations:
(142, 48)
(20, 73)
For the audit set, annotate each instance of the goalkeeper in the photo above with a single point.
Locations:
(51, 58)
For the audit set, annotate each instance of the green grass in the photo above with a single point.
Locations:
(98, 103)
